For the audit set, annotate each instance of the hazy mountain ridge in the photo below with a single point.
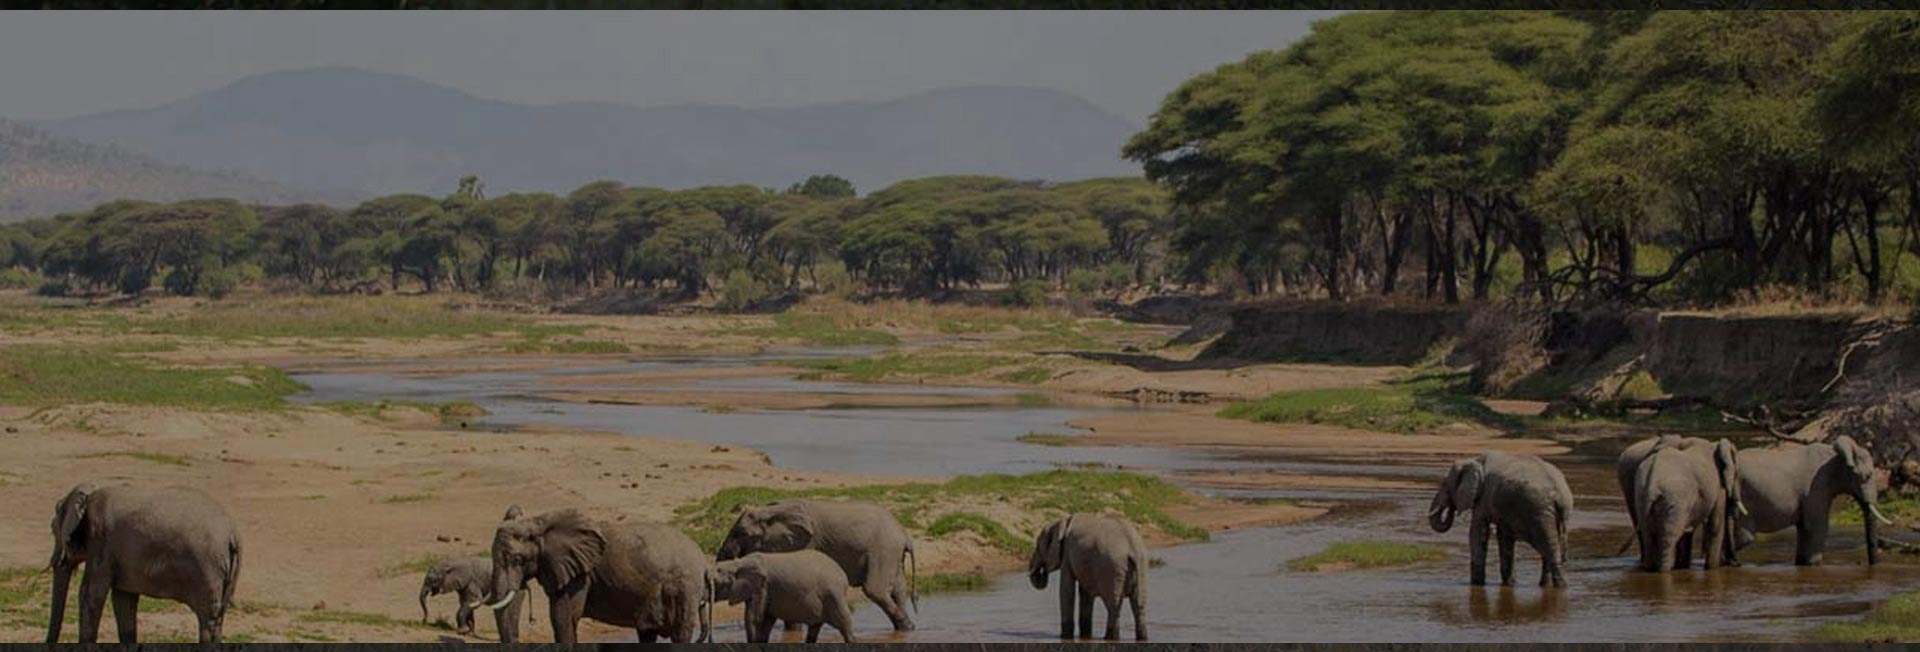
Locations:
(42, 175)
(382, 133)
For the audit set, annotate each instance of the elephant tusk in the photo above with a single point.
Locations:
(1877, 515)
(1742, 508)
(503, 601)
(476, 604)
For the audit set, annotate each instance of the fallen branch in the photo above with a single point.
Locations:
(1768, 424)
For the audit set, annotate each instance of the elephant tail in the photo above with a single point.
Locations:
(913, 577)
(232, 577)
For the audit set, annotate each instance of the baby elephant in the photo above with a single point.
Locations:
(1099, 556)
(1516, 497)
(466, 577)
(799, 587)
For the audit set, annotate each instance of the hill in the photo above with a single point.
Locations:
(385, 133)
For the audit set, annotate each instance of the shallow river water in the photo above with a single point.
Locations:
(1236, 587)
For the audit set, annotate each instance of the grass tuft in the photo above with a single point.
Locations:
(42, 376)
(1415, 405)
(820, 330)
(952, 582)
(156, 458)
(900, 364)
(1347, 555)
(990, 530)
(1050, 439)
(1897, 619)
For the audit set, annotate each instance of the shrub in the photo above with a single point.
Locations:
(1030, 293)
(742, 291)
(53, 288)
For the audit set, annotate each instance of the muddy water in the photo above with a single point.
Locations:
(1235, 588)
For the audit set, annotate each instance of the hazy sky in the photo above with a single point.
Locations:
(63, 64)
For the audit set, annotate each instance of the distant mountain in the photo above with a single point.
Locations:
(42, 175)
(384, 133)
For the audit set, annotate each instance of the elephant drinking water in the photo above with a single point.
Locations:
(1512, 498)
(1795, 487)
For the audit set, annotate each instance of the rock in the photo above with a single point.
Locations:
(443, 538)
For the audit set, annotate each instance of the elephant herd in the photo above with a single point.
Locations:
(795, 560)
(1680, 492)
(792, 561)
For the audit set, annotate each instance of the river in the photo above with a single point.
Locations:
(1234, 588)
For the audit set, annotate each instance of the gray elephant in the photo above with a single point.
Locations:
(467, 577)
(173, 543)
(1795, 487)
(803, 587)
(1517, 497)
(1684, 492)
(1098, 556)
(642, 575)
(868, 543)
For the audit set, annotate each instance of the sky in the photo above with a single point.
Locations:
(63, 64)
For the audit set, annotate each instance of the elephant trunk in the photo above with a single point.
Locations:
(1440, 513)
(62, 575)
(426, 589)
(706, 610)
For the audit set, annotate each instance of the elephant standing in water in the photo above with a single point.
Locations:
(1795, 487)
(1680, 492)
(1627, 470)
(1098, 556)
(868, 543)
(1518, 497)
(804, 587)
(646, 576)
(174, 543)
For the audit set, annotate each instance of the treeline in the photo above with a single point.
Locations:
(1574, 155)
(918, 237)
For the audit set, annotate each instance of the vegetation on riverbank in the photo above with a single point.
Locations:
(450, 412)
(1897, 619)
(1418, 404)
(1143, 499)
(1355, 555)
(44, 376)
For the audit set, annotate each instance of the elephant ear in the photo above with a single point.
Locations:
(70, 519)
(1466, 477)
(749, 579)
(570, 548)
(1855, 456)
(790, 527)
(1726, 461)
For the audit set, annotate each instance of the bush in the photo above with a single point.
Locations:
(53, 288)
(832, 279)
(135, 281)
(13, 278)
(742, 291)
(217, 283)
(1083, 282)
(1030, 293)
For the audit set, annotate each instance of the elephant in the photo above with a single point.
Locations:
(803, 587)
(1519, 497)
(1684, 491)
(642, 575)
(1625, 471)
(868, 543)
(1795, 487)
(1098, 556)
(175, 543)
(468, 577)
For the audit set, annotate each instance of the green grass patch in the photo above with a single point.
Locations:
(1050, 439)
(900, 364)
(156, 458)
(361, 618)
(332, 317)
(952, 582)
(449, 412)
(1346, 555)
(567, 347)
(820, 330)
(988, 529)
(1026, 375)
(401, 499)
(1898, 619)
(44, 376)
(1407, 406)
(1142, 498)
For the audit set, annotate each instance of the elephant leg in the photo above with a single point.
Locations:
(1683, 552)
(463, 618)
(841, 618)
(1477, 550)
(1112, 602)
(1066, 602)
(1086, 612)
(1135, 600)
(506, 621)
(1810, 541)
(1713, 539)
(1552, 557)
(879, 588)
(1505, 535)
(126, 615)
(93, 600)
(813, 633)
(564, 610)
